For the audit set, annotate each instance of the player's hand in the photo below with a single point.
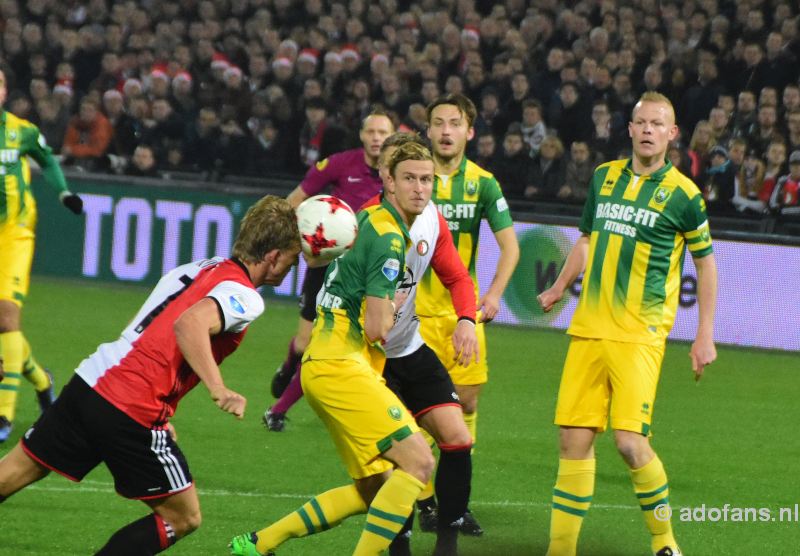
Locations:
(703, 353)
(229, 401)
(72, 201)
(465, 342)
(549, 297)
(488, 305)
(173, 434)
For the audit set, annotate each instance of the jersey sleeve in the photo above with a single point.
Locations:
(453, 274)
(495, 206)
(37, 148)
(587, 218)
(694, 226)
(385, 265)
(319, 176)
(238, 304)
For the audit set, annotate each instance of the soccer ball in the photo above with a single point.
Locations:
(328, 227)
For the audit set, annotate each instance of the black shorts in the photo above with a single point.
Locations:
(82, 429)
(312, 283)
(420, 381)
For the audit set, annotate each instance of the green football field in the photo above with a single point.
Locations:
(731, 439)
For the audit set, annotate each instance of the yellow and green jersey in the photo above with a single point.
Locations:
(372, 267)
(19, 139)
(463, 198)
(638, 228)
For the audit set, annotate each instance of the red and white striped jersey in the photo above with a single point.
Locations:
(432, 246)
(144, 373)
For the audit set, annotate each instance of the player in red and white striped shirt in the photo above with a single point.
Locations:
(116, 409)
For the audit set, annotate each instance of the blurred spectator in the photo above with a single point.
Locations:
(512, 169)
(785, 198)
(579, 171)
(52, 122)
(720, 125)
(718, 181)
(202, 143)
(699, 148)
(765, 130)
(533, 128)
(235, 148)
(749, 183)
(164, 131)
(490, 118)
(547, 170)
(313, 131)
(87, 137)
(183, 98)
(571, 114)
(775, 167)
(701, 97)
(268, 150)
(143, 163)
(793, 130)
(746, 115)
(604, 140)
(486, 152)
(679, 158)
(124, 138)
(520, 88)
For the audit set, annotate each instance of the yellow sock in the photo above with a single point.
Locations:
(572, 496)
(11, 348)
(388, 513)
(471, 420)
(32, 370)
(428, 491)
(319, 514)
(652, 490)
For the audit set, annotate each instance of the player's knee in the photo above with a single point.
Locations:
(634, 449)
(458, 436)
(187, 523)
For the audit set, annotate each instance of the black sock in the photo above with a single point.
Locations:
(293, 357)
(145, 537)
(401, 545)
(453, 483)
(427, 504)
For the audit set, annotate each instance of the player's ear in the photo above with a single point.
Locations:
(271, 257)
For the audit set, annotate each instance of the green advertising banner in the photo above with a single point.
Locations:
(133, 233)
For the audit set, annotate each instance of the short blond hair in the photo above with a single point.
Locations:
(653, 96)
(412, 150)
(270, 223)
(395, 140)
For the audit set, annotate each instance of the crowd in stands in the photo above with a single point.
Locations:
(253, 87)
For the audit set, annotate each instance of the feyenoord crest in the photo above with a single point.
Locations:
(422, 248)
(471, 186)
(661, 195)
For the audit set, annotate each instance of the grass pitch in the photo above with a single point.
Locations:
(731, 439)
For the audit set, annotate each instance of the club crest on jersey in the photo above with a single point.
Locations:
(422, 248)
(471, 186)
(396, 246)
(12, 135)
(395, 412)
(661, 195)
(705, 235)
(391, 269)
(238, 304)
(322, 164)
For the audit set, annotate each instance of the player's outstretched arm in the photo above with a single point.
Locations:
(489, 304)
(574, 265)
(193, 331)
(703, 351)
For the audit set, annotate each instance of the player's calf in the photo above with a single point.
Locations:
(148, 535)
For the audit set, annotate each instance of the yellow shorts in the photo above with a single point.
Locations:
(437, 332)
(362, 415)
(599, 373)
(16, 256)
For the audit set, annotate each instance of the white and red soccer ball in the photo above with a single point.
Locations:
(328, 226)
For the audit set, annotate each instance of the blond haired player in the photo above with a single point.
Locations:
(640, 216)
(465, 194)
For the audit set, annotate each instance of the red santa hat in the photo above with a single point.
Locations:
(63, 86)
(112, 93)
(334, 56)
(308, 55)
(233, 70)
(182, 76)
(380, 58)
(281, 61)
(350, 51)
(159, 72)
(470, 31)
(219, 61)
(132, 82)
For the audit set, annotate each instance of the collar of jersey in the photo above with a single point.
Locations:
(388, 206)
(655, 175)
